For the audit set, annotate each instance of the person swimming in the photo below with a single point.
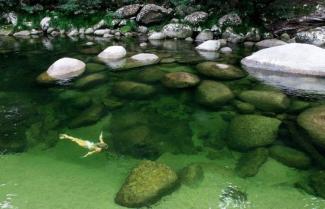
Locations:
(91, 146)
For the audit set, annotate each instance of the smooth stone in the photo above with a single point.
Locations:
(130, 89)
(113, 53)
(210, 45)
(220, 71)
(290, 157)
(250, 131)
(94, 67)
(180, 80)
(249, 163)
(269, 43)
(157, 36)
(90, 80)
(88, 117)
(145, 58)
(313, 121)
(150, 75)
(192, 175)
(63, 69)
(266, 100)
(244, 107)
(213, 94)
(226, 50)
(22, 33)
(89, 31)
(204, 35)
(146, 184)
(101, 32)
(177, 30)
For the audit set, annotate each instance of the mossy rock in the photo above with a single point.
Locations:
(290, 157)
(317, 182)
(212, 93)
(250, 162)
(146, 184)
(90, 80)
(249, 131)
(220, 71)
(133, 90)
(244, 107)
(180, 80)
(150, 75)
(81, 102)
(95, 67)
(297, 106)
(88, 116)
(192, 175)
(269, 101)
(313, 121)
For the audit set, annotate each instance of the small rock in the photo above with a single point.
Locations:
(249, 131)
(88, 117)
(226, 50)
(157, 36)
(213, 94)
(196, 18)
(90, 80)
(192, 175)
(73, 32)
(250, 162)
(249, 44)
(232, 37)
(205, 35)
(143, 45)
(220, 71)
(210, 45)
(177, 30)
(142, 29)
(145, 58)
(101, 32)
(113, 53)
(180, 80)
(189, 39)
(285, 37)
(269, 43)
(89, 31)
(150, 75)
(22, 33)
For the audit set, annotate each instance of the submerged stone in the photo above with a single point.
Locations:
(290, 156)
(94, 67)
(90, 80)
(244, 107)
(266, 100)
(220, 71)
(250, 162)
(151, 75)
(180, 80)
(130, 89)
(88, 117)
(192, 175)
(317, 182)
(213, 94)
(313, 121)
(250, 131)
(146, 184)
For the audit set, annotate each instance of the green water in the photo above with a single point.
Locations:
(37, 171)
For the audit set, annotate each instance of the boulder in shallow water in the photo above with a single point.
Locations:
(220, 71)
(250, 162)
(313, 121)
(180, 80)
(63, 69)
(113, 53)
(90, 80)
(290, 58)
(145, 58)
(213, 94)
(192, 175)
(290, 157)
(205, 35)
(157, 36)
(177, 30)
(146, 184)
(267, 43)
(270, 101)
(130, 89)
(150, 75)
(210, 45)
(249, 131)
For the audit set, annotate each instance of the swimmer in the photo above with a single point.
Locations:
(91, 146)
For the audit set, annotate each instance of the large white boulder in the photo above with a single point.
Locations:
(146, 58)
(210, 45)
(294, 58)
(113, 53)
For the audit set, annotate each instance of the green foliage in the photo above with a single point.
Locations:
(131, 25)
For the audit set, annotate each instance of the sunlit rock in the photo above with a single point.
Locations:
(210, 45)
(269, 43)
(180, 80)
(113, 53)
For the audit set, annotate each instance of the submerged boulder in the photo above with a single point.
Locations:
(62, 69)
(220, 71)
(130, 89)
(146, 184)
(90, 80)
(266, 100)
(290, 156)
(113, 53)
(180, 80)
(313, 121)
(290, 58)
(89, 116)
(177, 30)
(250, 162)
(210, 45)
(151, 13)
(250, 131)
(213, 94)
(192, 175)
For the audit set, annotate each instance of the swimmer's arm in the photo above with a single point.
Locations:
(92, 152)
(101, 140)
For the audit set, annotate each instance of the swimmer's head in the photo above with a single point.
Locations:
(102, 145)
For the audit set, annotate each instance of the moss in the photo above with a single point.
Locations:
(250, 162)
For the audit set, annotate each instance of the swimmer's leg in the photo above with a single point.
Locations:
(78, 141)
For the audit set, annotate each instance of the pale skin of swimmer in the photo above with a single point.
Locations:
(91, 146)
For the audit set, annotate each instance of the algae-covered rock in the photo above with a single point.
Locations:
(244, 107)
(212, 93)
(180, 80)
(95, 67)
(88, 116)
(192, 175)
(220, 71)
(130, 89)
(250, 162)
(290, 156)
(146, 184)
(266, 100)
(90, 80)
(150, 75)
(317, 182)
(297, 106)
(313, 121)
(250, 131)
